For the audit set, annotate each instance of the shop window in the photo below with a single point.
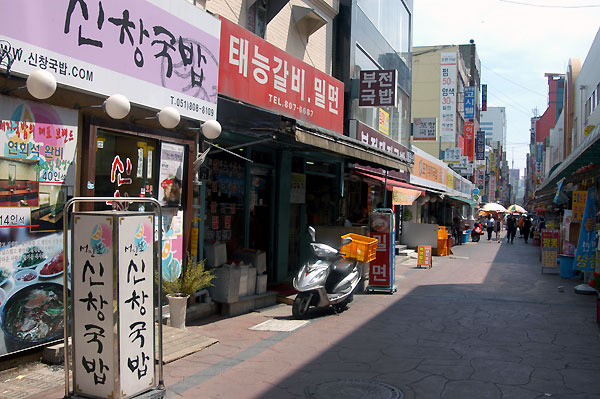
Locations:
(225, 202)
(256, 18)
(126, 166)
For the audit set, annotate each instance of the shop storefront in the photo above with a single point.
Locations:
(64, 143)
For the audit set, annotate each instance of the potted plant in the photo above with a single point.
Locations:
(178, 285)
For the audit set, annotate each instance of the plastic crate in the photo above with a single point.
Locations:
(362, 248)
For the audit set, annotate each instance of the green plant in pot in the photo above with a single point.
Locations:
(178, 285)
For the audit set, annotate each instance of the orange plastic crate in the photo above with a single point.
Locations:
(362, 248)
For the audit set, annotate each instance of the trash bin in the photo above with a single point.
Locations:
(442, 243)
(465, 236)
(566, 266)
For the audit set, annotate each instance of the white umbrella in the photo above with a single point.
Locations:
(493, 207)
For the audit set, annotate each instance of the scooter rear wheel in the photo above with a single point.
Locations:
(301, 305)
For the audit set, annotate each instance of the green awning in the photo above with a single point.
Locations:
(463, 199)
(587, 152)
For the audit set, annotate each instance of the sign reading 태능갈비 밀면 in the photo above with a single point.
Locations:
(255, 71)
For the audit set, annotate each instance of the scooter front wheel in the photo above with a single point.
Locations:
(301, 304)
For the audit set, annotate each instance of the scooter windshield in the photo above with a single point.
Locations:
(323, 250)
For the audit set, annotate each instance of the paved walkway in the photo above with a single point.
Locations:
(484, 323)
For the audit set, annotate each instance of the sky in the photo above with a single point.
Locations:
(517, 43)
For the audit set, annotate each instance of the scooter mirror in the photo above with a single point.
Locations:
(346, 241)
(312, 232)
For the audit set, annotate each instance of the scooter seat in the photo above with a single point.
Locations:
(343, 267)
(339, 270)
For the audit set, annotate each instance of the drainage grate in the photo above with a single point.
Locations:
(352, 389)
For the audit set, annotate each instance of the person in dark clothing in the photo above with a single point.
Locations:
(526, 228)
(457, 230)
(511, 229)
(489, 225)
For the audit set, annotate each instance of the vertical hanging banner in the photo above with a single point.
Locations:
(585, 254)
(484, 97)
(171, 174)
(470, 102)
(448, 97)
(469, 139)
(480, 145)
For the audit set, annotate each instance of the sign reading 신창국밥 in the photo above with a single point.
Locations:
(257, 72)
(155, 53)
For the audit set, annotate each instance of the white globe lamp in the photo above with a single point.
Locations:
(117, 106)
(41, 84)
(211, 129)
(168, 117)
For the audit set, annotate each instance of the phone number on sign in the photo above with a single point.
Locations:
(192, 106)
(290, 105)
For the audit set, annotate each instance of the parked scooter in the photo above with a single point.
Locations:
(476, 232)
(327, 280)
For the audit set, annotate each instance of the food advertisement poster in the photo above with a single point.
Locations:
(171, 174)
(37, 173)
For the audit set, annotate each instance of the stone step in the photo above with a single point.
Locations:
(406, 252)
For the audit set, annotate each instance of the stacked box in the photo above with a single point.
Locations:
(226, 286)
(243, 279)
(261, 284)
(257, 258)
(251, 280)
(216, 254)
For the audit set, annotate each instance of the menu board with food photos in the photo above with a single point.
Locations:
(38, 145)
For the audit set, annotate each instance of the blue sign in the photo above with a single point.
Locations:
(469, 102)
(585, 254)
(475, 191)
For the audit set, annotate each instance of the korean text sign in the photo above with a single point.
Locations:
(448, 97)
(99, 284)
(381, 269)
(424, 129)
(480, 145)
(155, 55)
(378, 88)
(257, 72)
(469, 102)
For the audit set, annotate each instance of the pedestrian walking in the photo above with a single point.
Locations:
(526, 228)
(498, 228)
(511, 229)
(489, 225)
(457, 230)
(521, 222)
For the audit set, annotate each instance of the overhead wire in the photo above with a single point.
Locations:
(513, 82)
(522, 3)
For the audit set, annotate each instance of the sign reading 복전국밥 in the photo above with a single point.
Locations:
(257, 72)
(377, 88)
(155, 53)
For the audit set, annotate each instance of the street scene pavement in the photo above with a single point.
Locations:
(482, 323)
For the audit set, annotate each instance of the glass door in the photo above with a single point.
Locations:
(126, 166)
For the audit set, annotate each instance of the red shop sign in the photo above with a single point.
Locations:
(380, 269)
(255, 71)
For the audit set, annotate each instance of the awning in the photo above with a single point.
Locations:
(391, 183)
(347, 146)
(587, 152)
(463, 199)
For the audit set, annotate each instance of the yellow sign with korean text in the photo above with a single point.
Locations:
(384, 122)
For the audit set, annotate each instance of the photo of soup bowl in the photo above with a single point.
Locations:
(32, 315)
